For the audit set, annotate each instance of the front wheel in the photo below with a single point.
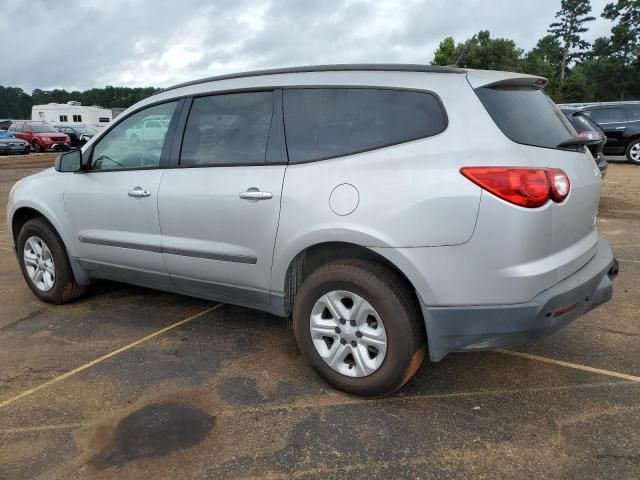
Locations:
(358, 325)
(35, 147)
(633, 152)
(44, 263)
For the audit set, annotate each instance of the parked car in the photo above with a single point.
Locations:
(150, 130)
(41, 136)
(78, 134)
(587, 128)
(621, 123)
(421, 204)
(10, 145)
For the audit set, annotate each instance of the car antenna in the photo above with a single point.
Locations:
(464, 50)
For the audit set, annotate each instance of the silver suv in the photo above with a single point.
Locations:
(385, 208)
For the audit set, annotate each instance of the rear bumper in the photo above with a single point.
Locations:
(456, 329)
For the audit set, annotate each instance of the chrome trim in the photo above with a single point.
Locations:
(115, 243)
(224, 257)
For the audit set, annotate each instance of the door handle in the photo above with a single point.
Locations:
(138, 192)
(253, 195)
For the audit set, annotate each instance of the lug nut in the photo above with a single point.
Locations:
(337, 330)
(359, 334)
(343, 341)
(352, 323)
(354, 344)
(343, 321)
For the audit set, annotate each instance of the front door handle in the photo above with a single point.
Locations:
(139, 192)
(253, 194)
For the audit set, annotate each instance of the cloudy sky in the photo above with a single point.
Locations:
(79, 44)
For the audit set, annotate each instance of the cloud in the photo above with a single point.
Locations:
(93, 43)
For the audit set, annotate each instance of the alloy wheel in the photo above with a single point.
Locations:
(39, 263)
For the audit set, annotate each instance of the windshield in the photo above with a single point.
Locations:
(43, 128)
(526, 115)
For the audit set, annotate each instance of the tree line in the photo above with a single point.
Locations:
(16, 104)
(607, 70)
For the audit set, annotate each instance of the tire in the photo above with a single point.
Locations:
(633, 152)
(390, 299)
(63, 288)
(35, 147)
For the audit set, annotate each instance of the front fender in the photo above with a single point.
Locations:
(44, 193)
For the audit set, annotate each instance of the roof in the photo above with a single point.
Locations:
(356, 67)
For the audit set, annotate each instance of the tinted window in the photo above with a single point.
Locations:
(127, 145)
(331, 122)
(228, 129)
(43, 128)
(583, 123)
(526, 115)
(633, 112)
(607, 115)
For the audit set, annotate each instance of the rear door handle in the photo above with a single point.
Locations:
(139, 192)
(253, 194)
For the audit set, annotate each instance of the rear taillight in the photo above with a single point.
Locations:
(526, 187)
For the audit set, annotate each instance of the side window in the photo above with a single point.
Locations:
(608, 115)
(633, 112)
(330, 122)
(228, 129)
(127, 146)
(77, 118)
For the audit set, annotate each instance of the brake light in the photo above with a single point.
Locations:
(526, 187)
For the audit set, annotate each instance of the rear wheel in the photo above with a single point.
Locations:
(357, 324)
(44, 263)
(633, 152)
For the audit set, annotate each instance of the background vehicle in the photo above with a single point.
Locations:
(341, 196)
(78, 134)
(40, 135)
(9, 144)
(621, 123)
(587, 128)
(151, 129)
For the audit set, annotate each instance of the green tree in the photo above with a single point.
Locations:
(14, 103)
(544, 60)
(480, 51)
(572, 17)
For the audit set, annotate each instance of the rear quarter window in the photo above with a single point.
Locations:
(526, 115)
(608, 115)
(324, 123)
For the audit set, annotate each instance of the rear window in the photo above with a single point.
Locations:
(583, 123)
(325, 123)
(526, 115)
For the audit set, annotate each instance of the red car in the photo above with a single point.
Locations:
(41, 136)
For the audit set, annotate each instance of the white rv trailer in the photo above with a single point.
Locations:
(72, 113)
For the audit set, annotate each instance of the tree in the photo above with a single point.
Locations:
(481, 52)
(573, 15)
(14, 103)
(544, 60)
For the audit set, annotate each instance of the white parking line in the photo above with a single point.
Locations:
(575, 366)
(107, 356)
(628, 261)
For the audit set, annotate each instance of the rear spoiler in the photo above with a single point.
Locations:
(492, 78)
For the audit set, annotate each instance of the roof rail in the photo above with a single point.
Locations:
(370, 67)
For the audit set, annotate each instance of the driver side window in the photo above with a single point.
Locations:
(131, 143)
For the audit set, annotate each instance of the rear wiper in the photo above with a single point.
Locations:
(577, 141)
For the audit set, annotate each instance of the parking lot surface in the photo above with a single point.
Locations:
(133, 383)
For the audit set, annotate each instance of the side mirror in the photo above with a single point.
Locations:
(69, 162)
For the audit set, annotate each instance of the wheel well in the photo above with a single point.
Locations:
(632, 139)
(20, 217)
(315, 256)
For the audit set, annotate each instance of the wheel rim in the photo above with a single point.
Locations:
(634, 152)
(348, 334)
(39, 263)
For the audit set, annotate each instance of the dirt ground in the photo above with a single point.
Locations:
(133, 383)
